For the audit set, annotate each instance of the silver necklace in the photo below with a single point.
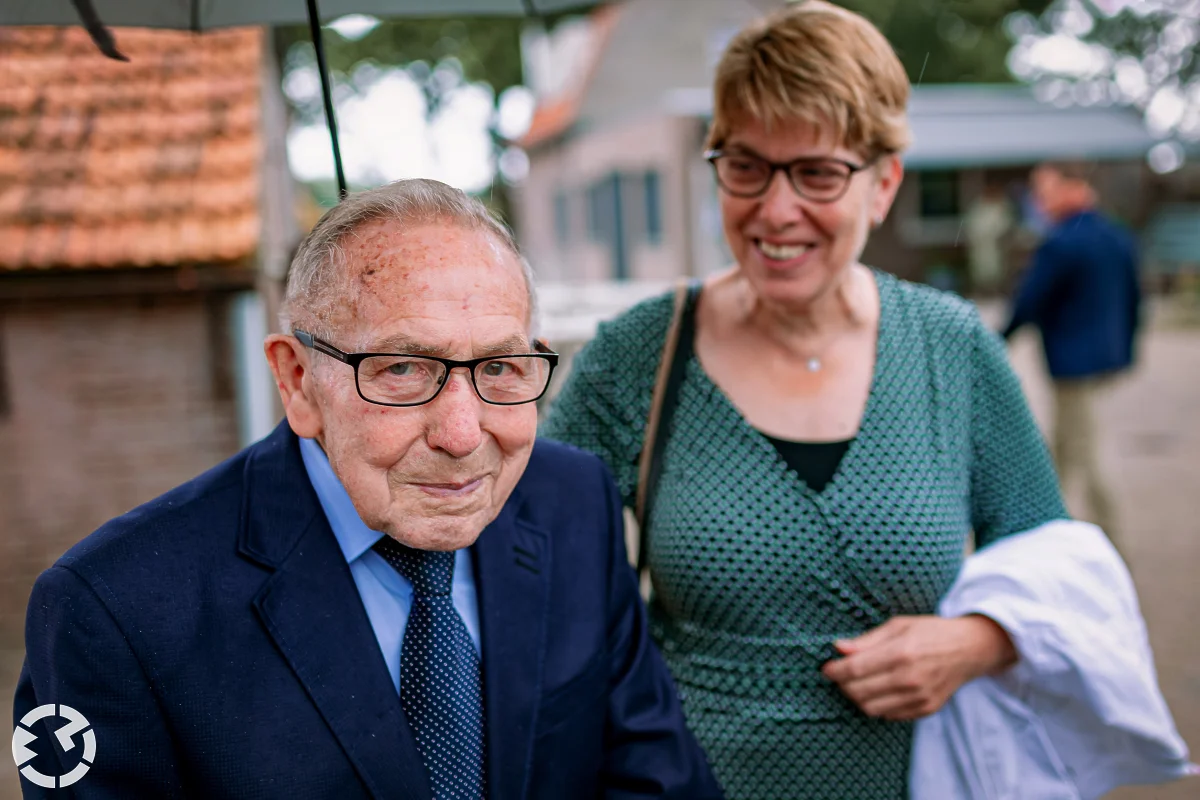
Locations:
(815, 363)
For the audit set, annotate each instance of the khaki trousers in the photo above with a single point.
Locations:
(1076, 446)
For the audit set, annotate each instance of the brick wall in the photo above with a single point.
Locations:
(110, 403)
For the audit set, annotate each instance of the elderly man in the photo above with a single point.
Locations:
(397, 594)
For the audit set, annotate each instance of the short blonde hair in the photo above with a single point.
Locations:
(817, 63)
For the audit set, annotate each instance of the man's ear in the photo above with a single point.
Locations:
(290, 366)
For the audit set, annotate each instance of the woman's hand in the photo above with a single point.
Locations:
(909, 667)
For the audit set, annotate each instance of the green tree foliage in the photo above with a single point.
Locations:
(1137, 52)
(441, 54)
(484, 49)
(939, 41)
(948, 41)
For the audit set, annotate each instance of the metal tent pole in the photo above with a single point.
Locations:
(314, 27)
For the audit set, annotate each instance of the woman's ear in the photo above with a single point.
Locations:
(889, 174)
(289, 364)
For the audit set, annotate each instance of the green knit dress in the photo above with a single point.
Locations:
(755, 575)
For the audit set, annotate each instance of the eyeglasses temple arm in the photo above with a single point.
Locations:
(308, 340)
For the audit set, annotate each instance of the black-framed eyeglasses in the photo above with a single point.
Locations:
(820, 179)
(400, 379)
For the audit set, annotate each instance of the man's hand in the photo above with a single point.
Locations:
(909, 667)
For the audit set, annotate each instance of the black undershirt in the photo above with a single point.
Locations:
(814, 462)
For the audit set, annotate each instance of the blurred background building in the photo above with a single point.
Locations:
(616, 190)
(131, 224)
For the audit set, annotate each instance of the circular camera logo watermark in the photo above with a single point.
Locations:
(76, 723)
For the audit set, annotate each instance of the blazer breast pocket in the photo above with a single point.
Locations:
(585, 692)
(568, 752)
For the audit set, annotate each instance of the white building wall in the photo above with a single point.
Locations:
(655, 142)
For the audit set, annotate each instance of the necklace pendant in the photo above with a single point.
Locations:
(814, 364)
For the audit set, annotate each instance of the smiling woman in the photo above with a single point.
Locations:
(845, 432)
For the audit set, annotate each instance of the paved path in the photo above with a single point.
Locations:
(1151, 450)
(1151, 454)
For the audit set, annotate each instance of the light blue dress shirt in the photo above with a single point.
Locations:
(385, 593)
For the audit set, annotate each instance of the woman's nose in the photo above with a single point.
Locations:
(780, 205)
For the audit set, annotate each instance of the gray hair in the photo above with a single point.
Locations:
(318, 270)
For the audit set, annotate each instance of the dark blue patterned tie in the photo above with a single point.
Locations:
(441, 689)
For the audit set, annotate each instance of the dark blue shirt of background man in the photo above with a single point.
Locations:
(1082, 292)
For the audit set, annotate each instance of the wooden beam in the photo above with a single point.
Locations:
(280, 232)
(26, 286)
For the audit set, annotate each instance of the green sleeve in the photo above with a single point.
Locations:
(603, 404)
(1014, 486)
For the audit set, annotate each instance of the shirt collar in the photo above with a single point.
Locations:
(353, 535)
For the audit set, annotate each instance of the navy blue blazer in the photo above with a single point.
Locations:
(217, 643)
(1082, 290)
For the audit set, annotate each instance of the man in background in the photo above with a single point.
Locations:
(1082, 292)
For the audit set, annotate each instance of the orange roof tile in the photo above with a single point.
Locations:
(554, 116)
(551, 119)
(151, 162)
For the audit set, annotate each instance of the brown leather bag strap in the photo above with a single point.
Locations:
(656, 402)
(662, 400)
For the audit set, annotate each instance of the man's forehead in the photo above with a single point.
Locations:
(430, 239)
(432, 256)
(418, 285)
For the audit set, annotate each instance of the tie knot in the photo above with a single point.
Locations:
(430, 572)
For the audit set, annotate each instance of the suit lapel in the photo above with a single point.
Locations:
(512, 568)
(311, 608)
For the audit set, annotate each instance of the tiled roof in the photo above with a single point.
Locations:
(150, 162)
(554, 116)
(964, 125)
(551, 119)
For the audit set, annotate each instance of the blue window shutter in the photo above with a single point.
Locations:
(653, 206)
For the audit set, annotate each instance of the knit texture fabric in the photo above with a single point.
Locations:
(756, 575)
